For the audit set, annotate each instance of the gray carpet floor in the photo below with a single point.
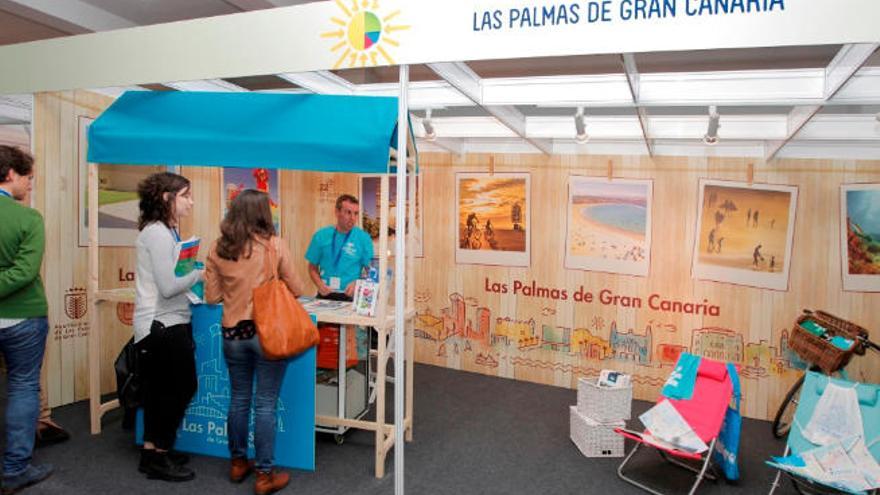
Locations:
(473, 435)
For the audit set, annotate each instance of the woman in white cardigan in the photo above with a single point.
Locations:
(162, 329)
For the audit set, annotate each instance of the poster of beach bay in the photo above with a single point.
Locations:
(744, 233)
(860, 236)
(493, 219)
(609, 225)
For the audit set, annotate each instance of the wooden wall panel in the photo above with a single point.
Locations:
(65, 263)
(757, 318)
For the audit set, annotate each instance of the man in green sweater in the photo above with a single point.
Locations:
(23, 322)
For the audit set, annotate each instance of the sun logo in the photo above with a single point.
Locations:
(363, 33)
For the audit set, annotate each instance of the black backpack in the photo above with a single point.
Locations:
(129, 384)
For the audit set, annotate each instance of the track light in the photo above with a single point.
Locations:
(580, 127)
(711, 137)
(430, 134)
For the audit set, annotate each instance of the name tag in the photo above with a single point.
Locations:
(335, 283)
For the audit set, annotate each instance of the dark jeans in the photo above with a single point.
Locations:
(169, 379)
(22, 346)
(245, 361)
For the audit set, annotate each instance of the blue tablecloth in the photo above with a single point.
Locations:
(204, 427)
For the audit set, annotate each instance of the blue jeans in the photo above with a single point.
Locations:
(245, 361)
(22, 345)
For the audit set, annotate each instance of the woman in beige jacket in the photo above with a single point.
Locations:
(236, 265)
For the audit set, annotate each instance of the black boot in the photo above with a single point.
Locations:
(178, 458)
(157, 465)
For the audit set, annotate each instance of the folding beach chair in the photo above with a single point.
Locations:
(704, 412)
(812, 389)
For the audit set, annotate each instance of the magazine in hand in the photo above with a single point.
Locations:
(188, 251)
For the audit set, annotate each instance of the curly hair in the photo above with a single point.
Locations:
(12, 158)
(249, 216)
(154, 206)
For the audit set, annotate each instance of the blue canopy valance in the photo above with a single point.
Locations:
(283, 131)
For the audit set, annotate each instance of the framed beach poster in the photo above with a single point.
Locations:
(492, 219)
(609, 225)
(118, 208)
(744, 233)
(370, 216)
(860, 236)
(235, 180)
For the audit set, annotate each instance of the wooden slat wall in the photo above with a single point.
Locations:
(759, 316)
(65, 264)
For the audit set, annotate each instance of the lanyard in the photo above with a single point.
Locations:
(341, 248)
(4, 192)
(175, 234)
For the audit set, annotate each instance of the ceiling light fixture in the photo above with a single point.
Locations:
(580, 127)
(430, 133)
(711, 137)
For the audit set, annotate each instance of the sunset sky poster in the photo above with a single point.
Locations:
(609, 225)
(744, 233)
(370, 217)
(493, 219)
(235, 180)
(860, 236)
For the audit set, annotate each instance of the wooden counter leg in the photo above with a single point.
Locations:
(381, 364)
(94, 341)
(410, 348)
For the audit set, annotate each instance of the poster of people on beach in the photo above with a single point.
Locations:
(493, 219)
(744, 233)
(118, 209)
(609, 225)
(371, 217)
(860, 236)
(235, 180)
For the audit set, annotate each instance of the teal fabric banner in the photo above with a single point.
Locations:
(283, 131)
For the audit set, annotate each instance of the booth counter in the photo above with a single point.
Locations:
(203, 430)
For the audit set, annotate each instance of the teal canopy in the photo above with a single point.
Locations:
(282, 131)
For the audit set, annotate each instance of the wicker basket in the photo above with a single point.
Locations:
(818, 351)
(604, 405)
(595, 439)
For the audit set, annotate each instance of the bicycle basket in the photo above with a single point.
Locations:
(816, 350)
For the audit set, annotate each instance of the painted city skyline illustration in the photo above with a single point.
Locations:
(482, 340)
(744, 233)
(493, 219)
(609, 225)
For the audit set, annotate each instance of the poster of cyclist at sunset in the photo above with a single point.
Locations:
(493, 219)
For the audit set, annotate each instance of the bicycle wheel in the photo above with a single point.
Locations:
(785, 415)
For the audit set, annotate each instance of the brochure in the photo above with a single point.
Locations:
(365, 292)
(665, 423)
(613, 379)
(187, 252)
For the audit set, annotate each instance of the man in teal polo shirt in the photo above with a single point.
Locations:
(339, 253)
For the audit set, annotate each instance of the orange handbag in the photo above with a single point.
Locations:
(284, 327)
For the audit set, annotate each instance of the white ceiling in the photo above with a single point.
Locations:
(812, 101)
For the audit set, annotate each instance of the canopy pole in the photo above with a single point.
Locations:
(400, 280)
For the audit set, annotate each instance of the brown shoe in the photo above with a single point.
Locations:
(270, 482)
(239, 469)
